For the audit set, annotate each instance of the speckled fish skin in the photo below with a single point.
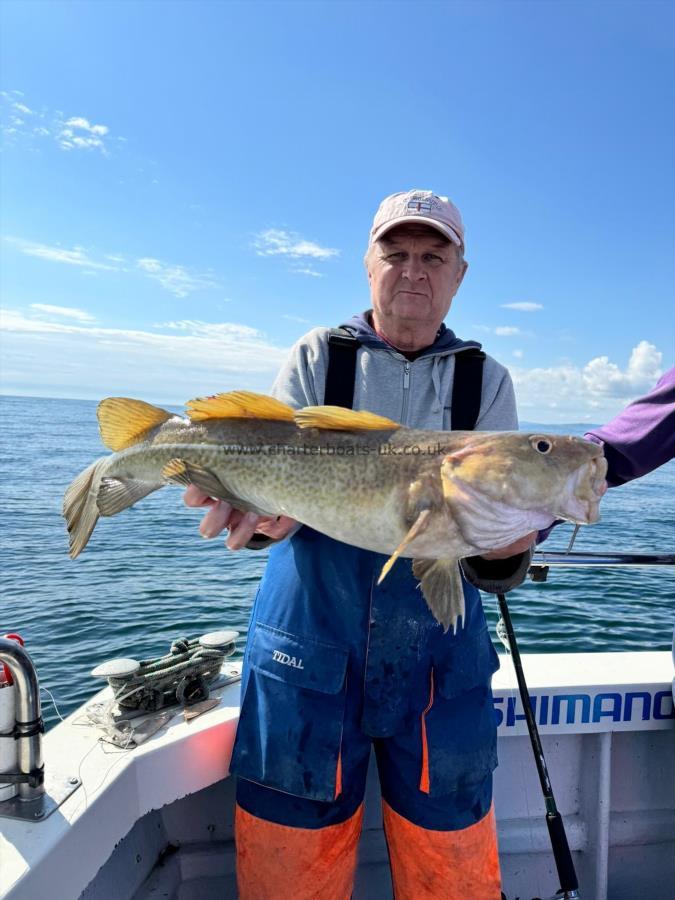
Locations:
(433, 496)
(366, 488)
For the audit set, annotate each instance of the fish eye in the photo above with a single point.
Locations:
(541, 445)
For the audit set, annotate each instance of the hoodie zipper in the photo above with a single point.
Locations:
(406, 392)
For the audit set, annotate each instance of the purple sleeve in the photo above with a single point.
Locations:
(642, 437)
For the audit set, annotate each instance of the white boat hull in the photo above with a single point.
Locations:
(157, 820)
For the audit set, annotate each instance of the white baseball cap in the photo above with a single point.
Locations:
(418, 206)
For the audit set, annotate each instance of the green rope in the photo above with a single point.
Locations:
(187, 659)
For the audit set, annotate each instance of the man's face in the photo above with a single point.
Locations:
(414, 274)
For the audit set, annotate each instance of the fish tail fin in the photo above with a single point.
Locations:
(442, 589)
(79, 506)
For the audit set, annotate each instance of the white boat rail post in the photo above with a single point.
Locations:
(39, 795)
(569, 884)
(28, 727)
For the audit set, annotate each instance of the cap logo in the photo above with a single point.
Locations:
(419, 206)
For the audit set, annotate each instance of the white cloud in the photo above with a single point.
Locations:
(307, 271)
(276, 242)
(296, 319)
(523, 306)
(70, 134)
(605, 378)
(85, 125)
(504, 331)
(195, 358)
(69, 312)
(595, 391)
(176, 279)
(211, 329)
(78, 133)
(75, 257)
(518, 354)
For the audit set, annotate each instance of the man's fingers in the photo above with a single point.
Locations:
(243, 531)
(216, 519)
(276, 527)
(194, 497)
(242, 526)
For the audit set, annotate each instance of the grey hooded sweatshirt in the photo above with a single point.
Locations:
(417, 394)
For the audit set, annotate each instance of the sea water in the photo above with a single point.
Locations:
(147, 577)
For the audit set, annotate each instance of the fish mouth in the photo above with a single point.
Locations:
(586, 488)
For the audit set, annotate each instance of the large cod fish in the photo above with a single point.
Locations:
(355, 476)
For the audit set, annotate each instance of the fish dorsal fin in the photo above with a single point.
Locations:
(122, 422)
(336, 418)
(238, 405)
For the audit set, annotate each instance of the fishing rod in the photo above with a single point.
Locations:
(541, 561)
(569, 884)
(542, 558)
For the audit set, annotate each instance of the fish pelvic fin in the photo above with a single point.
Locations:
(442, 589)
(116, 494)
(123, 422)
(79, 506)
(336, 418)
(238, 405)
(184, 473)
(420, 524)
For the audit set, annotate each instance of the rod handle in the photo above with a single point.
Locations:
(561, 852)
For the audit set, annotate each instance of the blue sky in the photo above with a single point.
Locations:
(188, 187)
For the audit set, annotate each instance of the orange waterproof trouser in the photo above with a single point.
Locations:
(319, 863)
(276, 861)
(452, 865)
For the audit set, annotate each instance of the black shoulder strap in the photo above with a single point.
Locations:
(467, 389)
(341, 374)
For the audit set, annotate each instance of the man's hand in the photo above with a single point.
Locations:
(519, 546)
(242, 526)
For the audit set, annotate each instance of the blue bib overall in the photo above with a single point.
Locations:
(335, 664)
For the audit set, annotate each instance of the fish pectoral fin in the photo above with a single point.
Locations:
(442, 589)
(122, 422)
(116, 494)
(419, 525)
(335, 418)
(238, 405)
(184, 473)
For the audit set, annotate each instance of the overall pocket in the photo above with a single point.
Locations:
(459, 729)
(290, 726)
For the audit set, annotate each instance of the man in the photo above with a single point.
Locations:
(335, 663)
